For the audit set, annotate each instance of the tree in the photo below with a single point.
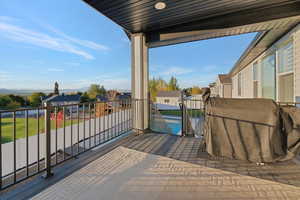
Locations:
(187, 91)
(11, 101)
(4, 101)
(173, 84)
(84, 98)
(156, 85)
(95, 90)
(35, 98)
(13, 105)
(56, 90)
(196, 90)
(19, 99)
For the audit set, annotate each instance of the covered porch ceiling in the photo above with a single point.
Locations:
(191, 20)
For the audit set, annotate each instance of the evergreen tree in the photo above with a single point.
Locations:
(56, 90)
(173, 84)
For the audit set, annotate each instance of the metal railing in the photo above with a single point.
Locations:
(36, 140)
(297, 104)
(192, 117)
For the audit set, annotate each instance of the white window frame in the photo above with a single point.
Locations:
(278, 73)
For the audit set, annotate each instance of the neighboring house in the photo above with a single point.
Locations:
(223, 85)
(102, 98)
(213, 89)
(60, 100)
(123, 96)
(168, 97)
(194, 102)
(274, 73)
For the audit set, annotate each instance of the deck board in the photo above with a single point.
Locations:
(161, 166)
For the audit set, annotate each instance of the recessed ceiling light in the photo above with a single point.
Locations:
(160, 5)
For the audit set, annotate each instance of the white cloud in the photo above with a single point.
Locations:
(62, 43)
(85, 43)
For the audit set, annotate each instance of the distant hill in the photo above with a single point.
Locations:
(29, 91)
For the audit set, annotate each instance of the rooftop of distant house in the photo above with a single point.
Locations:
(225, 78)
(62, 98)
(212, 84)
(169, 94)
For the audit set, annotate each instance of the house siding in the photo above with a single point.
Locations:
(247, 82)
(247, 72)
(222, 89)
(297, 63)
(173, 101)
(235, 86)
(227, 90)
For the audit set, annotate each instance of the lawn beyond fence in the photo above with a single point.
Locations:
(193, 113)
(33, 124)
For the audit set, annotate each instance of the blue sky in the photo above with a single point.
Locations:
(69, 42)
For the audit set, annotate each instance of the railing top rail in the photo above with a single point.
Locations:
(66, 105)
(288, 102)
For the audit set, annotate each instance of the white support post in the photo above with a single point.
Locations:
(139, 82)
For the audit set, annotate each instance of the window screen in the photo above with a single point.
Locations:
(285, 58)
(268, 77)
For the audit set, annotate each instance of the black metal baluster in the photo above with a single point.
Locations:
(64, 132)
(27, 143)
(99, 121)
(15, 153)
(83, 110)
(78, 121)
(106, 121)
(56, 128)
(95, 124)
(115, 119)
(0, 150)
(71, 119)
(89, 125)
(38, 140)
(119, 118)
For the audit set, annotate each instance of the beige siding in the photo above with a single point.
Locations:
(219, 88)
(247, 82)
(227, 91)
(247, 73)
(297, 62)
(246, 86)
(235, 86)
(173, 101)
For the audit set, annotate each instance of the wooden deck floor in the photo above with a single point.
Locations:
(190, 150)
(162, 166)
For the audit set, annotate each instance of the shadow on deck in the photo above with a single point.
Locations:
(190, 150)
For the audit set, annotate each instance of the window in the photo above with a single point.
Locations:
(285, 58)
(239, 84)
(167, 101)
(255, 79)
(286, 88)
(268, 77)
(255, 71)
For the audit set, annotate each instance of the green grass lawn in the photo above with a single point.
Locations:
(193, 113)
(7, 127)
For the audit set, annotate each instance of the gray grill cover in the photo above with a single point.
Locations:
(250, 129)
